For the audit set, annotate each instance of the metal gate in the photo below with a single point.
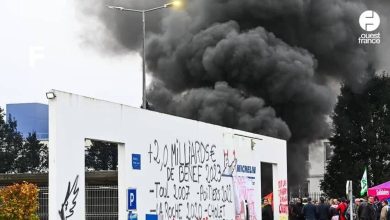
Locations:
(101, 202)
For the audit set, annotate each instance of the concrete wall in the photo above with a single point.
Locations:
(188, 169)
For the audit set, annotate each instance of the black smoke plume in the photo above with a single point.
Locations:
(258, 65)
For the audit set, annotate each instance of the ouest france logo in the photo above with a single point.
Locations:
(369, 21)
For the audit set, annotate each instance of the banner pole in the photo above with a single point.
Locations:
(350, 201)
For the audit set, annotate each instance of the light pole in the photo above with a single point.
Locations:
(143, 12)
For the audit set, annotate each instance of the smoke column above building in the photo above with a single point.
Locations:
(261, 66)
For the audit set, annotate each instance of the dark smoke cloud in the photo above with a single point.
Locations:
(327, 28)
(257, 65)
(383, 55)
(256, 62)
(221, 105)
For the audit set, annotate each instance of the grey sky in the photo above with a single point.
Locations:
(41, 49)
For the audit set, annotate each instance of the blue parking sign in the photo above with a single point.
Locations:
(131, 199)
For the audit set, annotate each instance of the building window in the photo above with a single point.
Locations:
(305, 188)
(306, 153)
(328, 150)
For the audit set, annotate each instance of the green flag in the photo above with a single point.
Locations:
(363, 183)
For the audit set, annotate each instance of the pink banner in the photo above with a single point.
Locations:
(381, 193)
(283, 199)
(244, 191)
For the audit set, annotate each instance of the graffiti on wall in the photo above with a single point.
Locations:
(229, 164)
(67, 207)
(283, 198)
(193, 185)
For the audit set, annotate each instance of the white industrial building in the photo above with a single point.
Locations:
(319, 153)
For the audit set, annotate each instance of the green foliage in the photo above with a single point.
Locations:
(361, 138)
(11, 141)
(32, 157)
(101, 156)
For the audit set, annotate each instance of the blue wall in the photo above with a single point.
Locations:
(30, 117)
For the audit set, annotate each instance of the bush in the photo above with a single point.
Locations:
(19, 202)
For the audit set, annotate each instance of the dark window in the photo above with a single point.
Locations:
(328, 150)
(306, 152)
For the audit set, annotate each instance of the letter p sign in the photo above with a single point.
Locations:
(131, 199)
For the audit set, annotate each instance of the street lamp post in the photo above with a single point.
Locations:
(143, 12)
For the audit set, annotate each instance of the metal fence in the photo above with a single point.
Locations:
(43, 199)
(315, 196)
(101, 202)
